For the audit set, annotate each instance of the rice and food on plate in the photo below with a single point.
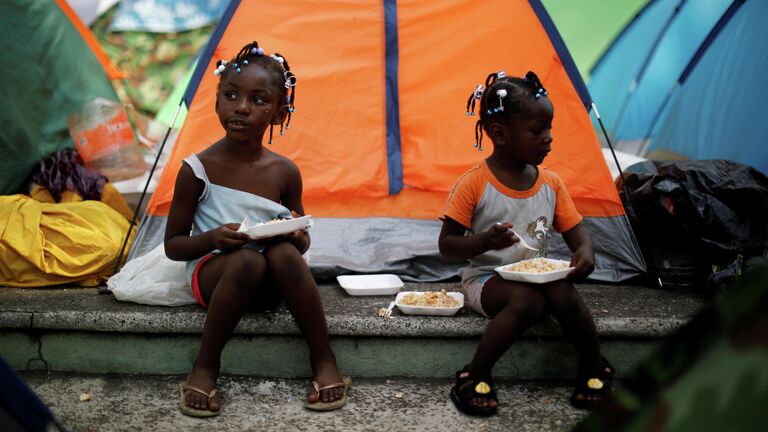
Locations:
(429, 299)
(537, 265)
(271, 221)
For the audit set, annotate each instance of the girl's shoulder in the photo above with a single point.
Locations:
(552, 179)
(284, 160)
(285, 165)
(549, 176)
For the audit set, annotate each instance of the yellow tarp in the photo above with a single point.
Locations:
(44, 243)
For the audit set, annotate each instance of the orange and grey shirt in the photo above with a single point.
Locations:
(479, 200)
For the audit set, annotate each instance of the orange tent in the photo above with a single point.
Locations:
(379, 128)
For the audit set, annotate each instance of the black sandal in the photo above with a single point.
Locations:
(593, 384)
(480, 386)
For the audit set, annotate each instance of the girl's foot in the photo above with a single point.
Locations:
(593, 384)
(204, 380)
(326, 374)
(474, 393)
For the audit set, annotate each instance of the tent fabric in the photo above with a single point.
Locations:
(89, 10)
(614, 74)
(113, 72)
(685, 80)
(684, 28)
(166, 16)
(710, 116)
(155, 62)
(49, 71)
(344, 133)
(589, 26)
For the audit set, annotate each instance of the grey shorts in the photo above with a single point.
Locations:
(474, 290)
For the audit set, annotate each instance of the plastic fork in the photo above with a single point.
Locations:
(522, 242)
(387, 313)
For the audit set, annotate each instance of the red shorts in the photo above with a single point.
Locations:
(195, 284)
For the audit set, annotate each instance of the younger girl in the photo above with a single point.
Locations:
(508, 190)
(235, 178)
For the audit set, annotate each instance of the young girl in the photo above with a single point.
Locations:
(234, 178)
(508, 190)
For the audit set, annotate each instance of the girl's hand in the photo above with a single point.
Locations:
(298, 238)
(584, 262)
(499, 236)
(226, 238)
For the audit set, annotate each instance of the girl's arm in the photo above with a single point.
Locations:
(580, 242)
(179, 245)
(454, 244)
(292, 200)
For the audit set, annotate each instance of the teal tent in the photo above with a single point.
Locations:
(686, 79)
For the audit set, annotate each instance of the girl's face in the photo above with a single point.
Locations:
(526, 136)
(248, 102)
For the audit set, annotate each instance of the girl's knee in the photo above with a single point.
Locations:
(282, 254)
(531, 302)
(246, 263)
(560, 291)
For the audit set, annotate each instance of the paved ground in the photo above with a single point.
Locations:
(142, 403)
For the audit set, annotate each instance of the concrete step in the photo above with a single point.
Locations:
(149, 402)
(78, 330)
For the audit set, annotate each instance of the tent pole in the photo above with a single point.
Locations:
(146, 186)
(631, 206)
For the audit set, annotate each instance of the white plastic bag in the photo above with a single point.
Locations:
(153, 279)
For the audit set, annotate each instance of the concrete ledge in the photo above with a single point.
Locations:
(619, 311)
(288, 357)
(79, 330)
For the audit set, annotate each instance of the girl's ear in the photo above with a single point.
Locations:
(280, 115)
(497, 134)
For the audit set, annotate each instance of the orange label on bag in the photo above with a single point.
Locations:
(106, 138)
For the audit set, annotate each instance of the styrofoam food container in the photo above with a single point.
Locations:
(266, 230)
(372, 284)
(426, 310)
(534, 277)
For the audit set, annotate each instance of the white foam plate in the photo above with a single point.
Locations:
(426, 310)
(266, 230)
(374, 284)
(534, 277)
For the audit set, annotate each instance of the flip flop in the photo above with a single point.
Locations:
(329, 406)
(194, 412)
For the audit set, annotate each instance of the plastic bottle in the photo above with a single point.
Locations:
(104, 139)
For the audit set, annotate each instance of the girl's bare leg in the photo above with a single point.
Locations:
(566, 305)
(299, 292)
(228, 284)
(513, 307)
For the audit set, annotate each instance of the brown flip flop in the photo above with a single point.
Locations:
(194, 412)
(329, 406)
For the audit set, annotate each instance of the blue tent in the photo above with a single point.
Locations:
(687, 77)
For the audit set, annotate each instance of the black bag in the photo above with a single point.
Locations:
(692, 216)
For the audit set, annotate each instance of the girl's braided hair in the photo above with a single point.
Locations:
(276, 64)
(501, 98)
